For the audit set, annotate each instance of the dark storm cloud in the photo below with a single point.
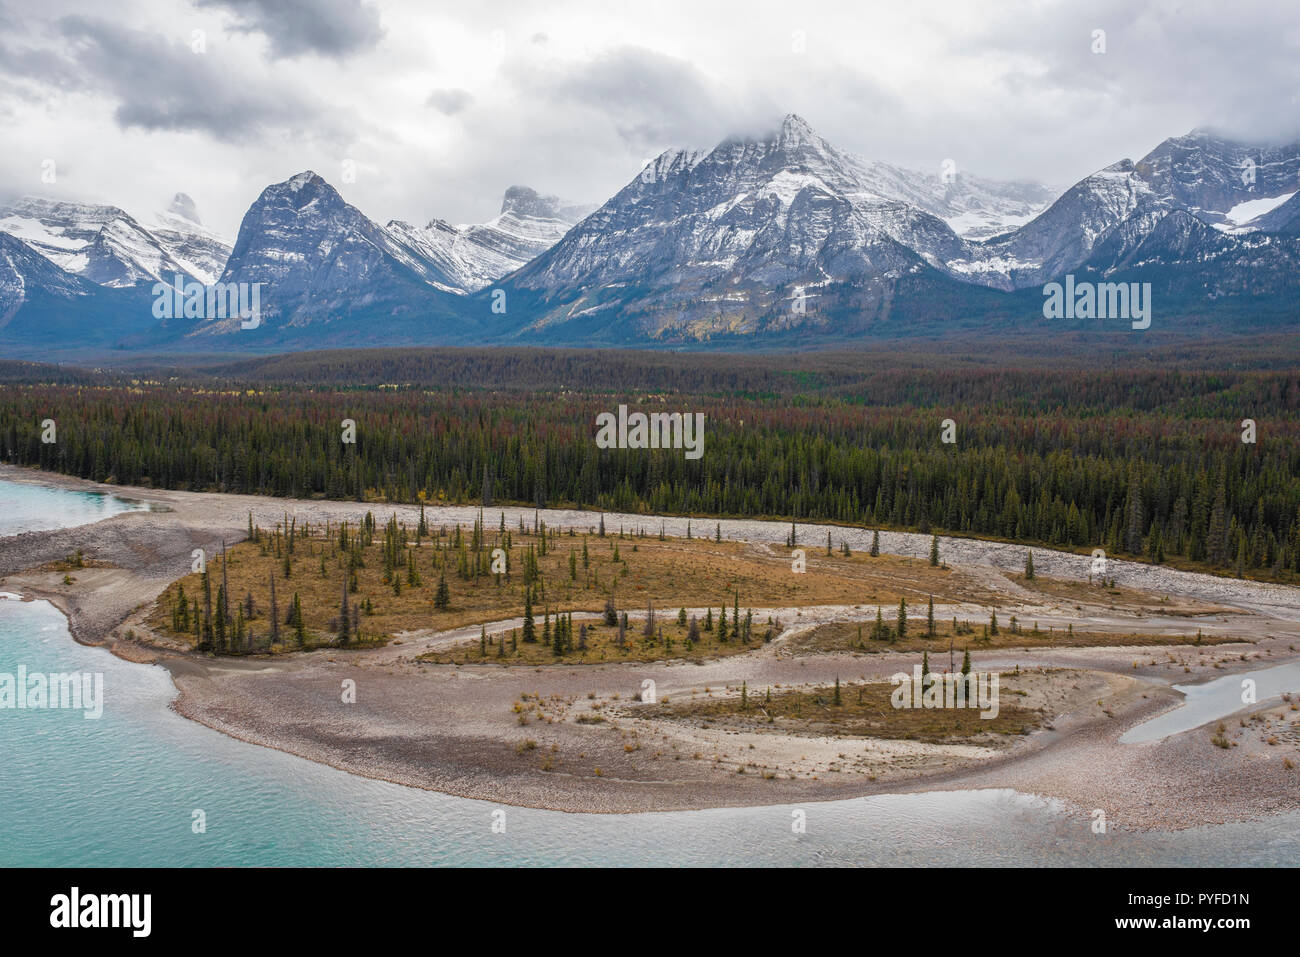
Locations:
(334, 28)
(165, 85)
(450, 102)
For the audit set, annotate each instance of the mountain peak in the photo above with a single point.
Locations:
(796, 127)
(305, 178)
(182, 205)
(526, 201)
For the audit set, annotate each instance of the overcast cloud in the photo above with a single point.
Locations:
(439, 110)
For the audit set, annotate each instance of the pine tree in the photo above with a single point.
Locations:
(1133, 515)
(611, 613)
(1029, 566)
(681, 617)
(275, 615)
(925, 669)
(929, 619)
(530, 630)
(708, 619)
(722, 623)
(299, 626)
(902, 618)
(934, 551)
(993, 623)
(735, 616)
(875, 544)
(442, 598)
(345, 623)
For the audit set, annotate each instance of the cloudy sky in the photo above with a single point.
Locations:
(438, 108)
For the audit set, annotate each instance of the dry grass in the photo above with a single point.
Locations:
(667, 643)
(636, 570)
(857, 637)
(865, 710)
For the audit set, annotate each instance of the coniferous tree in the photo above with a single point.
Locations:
(934, 551)
(902, 618)
(275, 615)
(345, 619)
(875, 544)
(530, 630)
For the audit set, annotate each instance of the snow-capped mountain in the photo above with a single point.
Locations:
(321, 257)
(102, 244)
(25, 273)
(1104, 218)
(181, 232)
(975, 207)
(473, 256)
(779, 237)
(756, 234)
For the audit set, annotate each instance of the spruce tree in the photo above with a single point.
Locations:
(1029, 566)
(275, 615)
(875, 544)
(530, 630)
(934, 551)
(902, 618)
(345, 622)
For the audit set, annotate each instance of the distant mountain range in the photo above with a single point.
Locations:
(777, 239)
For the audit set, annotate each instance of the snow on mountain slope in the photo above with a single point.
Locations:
(975, 207)
(181, 232)
(24, 273)
(473, 256)
(100, 243)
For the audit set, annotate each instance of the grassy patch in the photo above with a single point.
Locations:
(858, 637)
(865, 710)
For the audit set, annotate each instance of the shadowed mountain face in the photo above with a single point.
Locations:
(778, 238)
